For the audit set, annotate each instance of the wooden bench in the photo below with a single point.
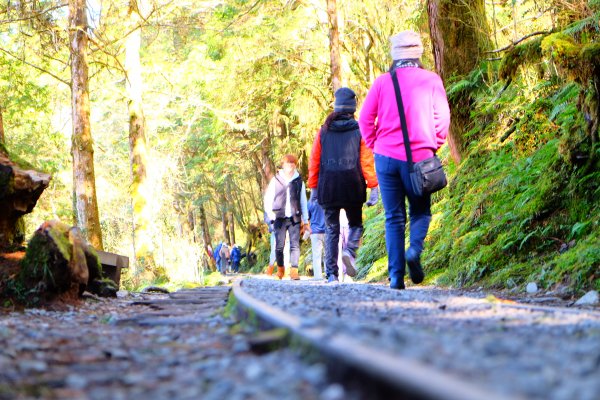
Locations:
(112, 264)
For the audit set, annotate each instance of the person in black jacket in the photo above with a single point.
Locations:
(340, 170)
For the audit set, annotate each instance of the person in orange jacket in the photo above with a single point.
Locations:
(340, 170)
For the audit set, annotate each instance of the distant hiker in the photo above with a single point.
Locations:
(428, 118)
(236, 257)
(217, 255)
(340, 170)
(317, 234)
(211, 257)
(285, 204)
(224, 254)
(343, 244)
(209, 252)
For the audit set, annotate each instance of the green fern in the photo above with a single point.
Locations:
(563, 99)
(587, 24)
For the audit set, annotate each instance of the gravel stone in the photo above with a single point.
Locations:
(538, 352)
(97, 350)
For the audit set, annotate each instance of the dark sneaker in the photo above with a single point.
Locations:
(397, 283)
(349, 263)
(415, 270)
(332, 279)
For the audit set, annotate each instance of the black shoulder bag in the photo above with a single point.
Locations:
(426, 176)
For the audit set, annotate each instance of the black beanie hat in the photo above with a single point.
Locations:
(345, 100)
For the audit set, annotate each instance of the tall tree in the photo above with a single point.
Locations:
(460, 36)
(225, 222)
(84, 181)
(206, 237)
(138, 146)
(231, 227)
(334, 46)
(2, 140)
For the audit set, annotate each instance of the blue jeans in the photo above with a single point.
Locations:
(283, 226)
(394, 186)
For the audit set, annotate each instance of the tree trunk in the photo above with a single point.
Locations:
(231, 227)
(225, 223)
(20, 190)
(71, 265)
(84, 181)
(263, 163)
(460, 36)
(206, 238)
(2, 138)
(140, 189)
(334, 46)
(192, 224)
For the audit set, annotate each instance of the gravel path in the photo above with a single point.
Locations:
(529, 351)
(115, 349)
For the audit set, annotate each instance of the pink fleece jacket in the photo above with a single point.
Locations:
(426, 109)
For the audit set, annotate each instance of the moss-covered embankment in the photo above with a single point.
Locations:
(523, 203)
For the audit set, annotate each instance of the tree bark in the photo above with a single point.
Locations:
(138, 147)
(264, 165)
(206, 238)
(20, 190)
(84, 181)
(334, 46)
(2, 138)
(231, 227)
(460, 36)
(225, 223)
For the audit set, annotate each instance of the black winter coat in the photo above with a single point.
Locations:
(341, 180)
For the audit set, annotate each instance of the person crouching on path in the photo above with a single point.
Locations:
(427, 119)
(285, 204)
(340, 163)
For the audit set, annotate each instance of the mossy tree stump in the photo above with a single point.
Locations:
(58, 260)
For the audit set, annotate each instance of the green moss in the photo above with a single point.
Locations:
(378, 271)
(59, 234)
(560, 46)
(521, 55)
(590, 53)
(36, 264)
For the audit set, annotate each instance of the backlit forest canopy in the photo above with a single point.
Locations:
(191, 105)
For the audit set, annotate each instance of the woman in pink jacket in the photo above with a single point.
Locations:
(428, 118)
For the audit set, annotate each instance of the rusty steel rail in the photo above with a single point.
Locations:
(392, 376)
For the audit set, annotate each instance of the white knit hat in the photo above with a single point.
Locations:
(406, 45)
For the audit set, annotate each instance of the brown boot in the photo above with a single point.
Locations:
(280, 272)
(294, 273)
(270, 269)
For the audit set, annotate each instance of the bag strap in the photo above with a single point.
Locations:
(402, 119)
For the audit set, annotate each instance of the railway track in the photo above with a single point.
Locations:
(353, 327)
(357, 341)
